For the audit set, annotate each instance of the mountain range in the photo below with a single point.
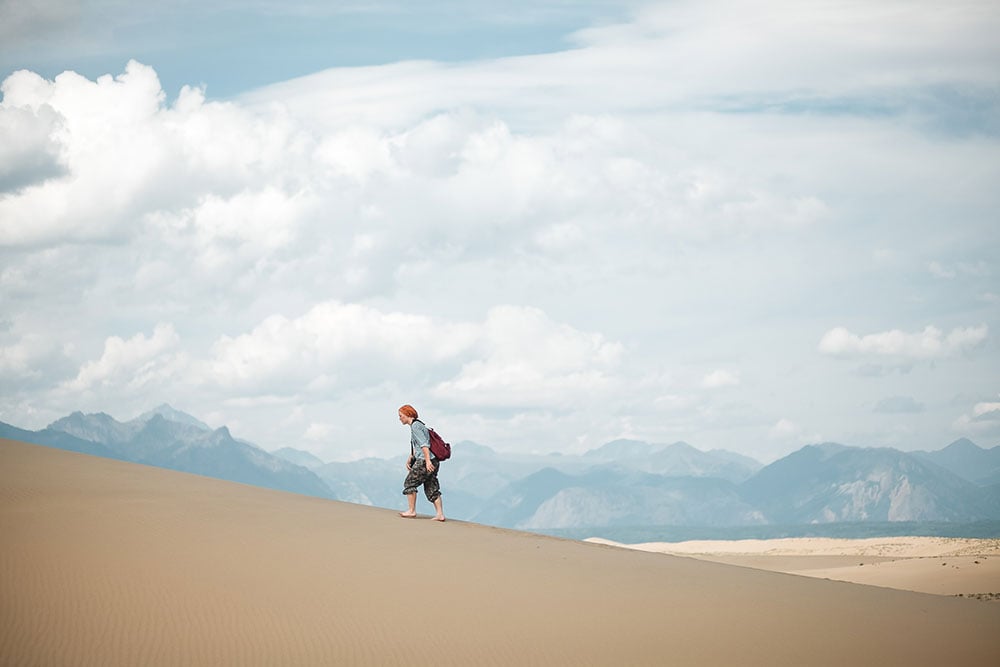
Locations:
(622, 483)
(167, 438)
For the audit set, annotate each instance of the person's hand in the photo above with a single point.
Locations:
(430, 467)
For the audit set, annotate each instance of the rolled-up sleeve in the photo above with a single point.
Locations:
(419, 437)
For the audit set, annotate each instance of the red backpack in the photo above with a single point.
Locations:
(440, 449)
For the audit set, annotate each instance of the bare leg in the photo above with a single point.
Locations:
(440, 509)
(411, 500)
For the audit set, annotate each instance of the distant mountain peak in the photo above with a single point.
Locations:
(171, 414)
(962, 444)
(299, 457)
(620, 448)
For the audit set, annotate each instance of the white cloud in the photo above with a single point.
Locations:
(931, 343)
(529, 361)
(130, 363)
(124, 154)
(355, 343)
(247, 225)
(517, 356)
(28, 154)
(982, 420)
(784, 429)
(676, 189)
(986, 410)
(25, 359)
(109, 153)
(795, 53)
(720, 378)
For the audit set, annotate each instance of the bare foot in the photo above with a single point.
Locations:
(439, 518)
(407, 515)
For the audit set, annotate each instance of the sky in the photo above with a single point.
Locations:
(547, 225)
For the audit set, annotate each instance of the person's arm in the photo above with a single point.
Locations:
(423, 439)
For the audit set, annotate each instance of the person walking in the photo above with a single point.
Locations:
(421, 467)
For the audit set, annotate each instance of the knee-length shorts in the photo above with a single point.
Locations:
(418, 476)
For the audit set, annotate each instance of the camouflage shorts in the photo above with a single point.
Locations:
(418, 476)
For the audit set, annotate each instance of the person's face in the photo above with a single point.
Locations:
(403, 419)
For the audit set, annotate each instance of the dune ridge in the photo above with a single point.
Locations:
(112, 563)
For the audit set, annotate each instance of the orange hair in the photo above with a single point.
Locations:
(409, 411)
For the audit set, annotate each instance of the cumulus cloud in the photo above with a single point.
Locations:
(516, 356)
(109, 155)
(352, 342)
(983, 419)
(28, 152)
(123, 154)
(720, 378)
(931, 343)
(522, 241)
(29, 359)
(130, 363)
(111, 159)
(527, 360)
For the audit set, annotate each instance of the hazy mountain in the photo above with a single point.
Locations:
(172, 415)
(58, 440)
(966, 459)
(299, 457)
(189, 446)
(368, 481)
(469, 479)
(609, 495)
(620, 450)
(97, 427)
(623, 483)
(677, 460)
(827, 483)
(379, 482)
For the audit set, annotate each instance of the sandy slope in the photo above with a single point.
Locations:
(939, 565)
(111, 563)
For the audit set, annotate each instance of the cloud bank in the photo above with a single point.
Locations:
(641, 235)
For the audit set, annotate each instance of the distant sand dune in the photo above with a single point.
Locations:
(939, 565)
(111, 563)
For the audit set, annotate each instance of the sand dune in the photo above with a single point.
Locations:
(938, 565)
(111, 563)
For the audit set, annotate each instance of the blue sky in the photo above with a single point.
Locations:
(546, 225)
(229, 47)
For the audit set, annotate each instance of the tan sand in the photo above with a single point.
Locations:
(110, 563)
(938, 565)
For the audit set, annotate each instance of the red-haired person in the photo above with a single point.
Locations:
(422, 466)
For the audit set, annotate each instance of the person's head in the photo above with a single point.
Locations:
(407, 414)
